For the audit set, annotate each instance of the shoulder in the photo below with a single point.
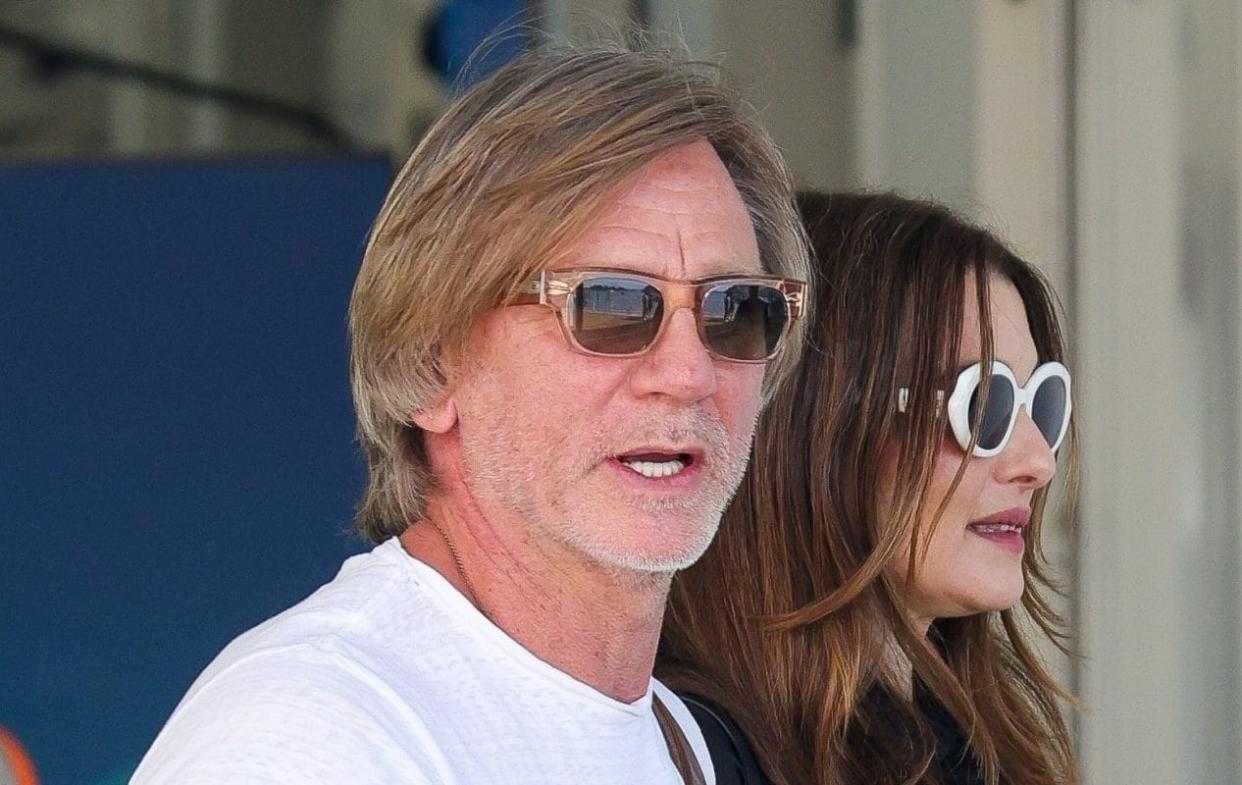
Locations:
(376, 606)
(292, 714)
(314, 694)
(955, 760)
(731, 753)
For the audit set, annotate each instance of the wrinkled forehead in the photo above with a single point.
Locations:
(679, 216)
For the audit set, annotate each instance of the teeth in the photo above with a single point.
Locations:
(656, 469)
(995, 528)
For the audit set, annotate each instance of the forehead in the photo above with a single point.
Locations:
(680, 216)
(1011, 332)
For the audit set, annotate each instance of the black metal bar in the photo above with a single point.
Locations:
(52, 58)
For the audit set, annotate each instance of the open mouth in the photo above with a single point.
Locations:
(995, 528)
(1004, 535)
(657, 465)
(1003, 528)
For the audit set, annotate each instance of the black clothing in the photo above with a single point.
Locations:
(732, 757)
(735, 763)
(954, 764)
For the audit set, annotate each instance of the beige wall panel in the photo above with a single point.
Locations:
(791, 60)
(584, 18)
(1023, 174)
(916, 99)
(1128, 325)
(1022, 185)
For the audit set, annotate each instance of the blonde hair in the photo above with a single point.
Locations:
(501, 184)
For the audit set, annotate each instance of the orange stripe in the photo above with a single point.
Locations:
(17, 759)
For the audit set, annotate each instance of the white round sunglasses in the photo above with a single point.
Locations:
(1046, 397)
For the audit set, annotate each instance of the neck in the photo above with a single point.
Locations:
(895, 658)
(897, 663)
(599, 625)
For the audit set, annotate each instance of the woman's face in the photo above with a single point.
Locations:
(965, 570)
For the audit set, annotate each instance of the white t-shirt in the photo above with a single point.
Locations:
(389, 675)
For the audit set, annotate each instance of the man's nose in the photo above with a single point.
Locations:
(678, 365)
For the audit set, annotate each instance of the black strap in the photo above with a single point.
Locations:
(679, 748)
(732, 756)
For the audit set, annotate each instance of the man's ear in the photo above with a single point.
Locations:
(438, 417)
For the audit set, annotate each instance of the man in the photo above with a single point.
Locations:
(555, 408)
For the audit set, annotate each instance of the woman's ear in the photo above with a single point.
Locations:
(439, 417)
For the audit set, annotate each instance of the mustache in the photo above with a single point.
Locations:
(696, 428)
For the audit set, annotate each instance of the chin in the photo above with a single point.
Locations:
(644, 560)
(648, 546)
(998, 595)
(971, 595)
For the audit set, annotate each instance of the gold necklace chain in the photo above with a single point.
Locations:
(471, 593)
(679, 747)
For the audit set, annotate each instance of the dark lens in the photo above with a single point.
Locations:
(616, 315)
(744, 321)
(997, 412)
(1048, 409)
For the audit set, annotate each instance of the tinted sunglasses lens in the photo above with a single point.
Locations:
(997, 412)
(1048, 409)
(615, 315)
(744, 321)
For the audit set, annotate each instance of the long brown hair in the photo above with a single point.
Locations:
(790, 618)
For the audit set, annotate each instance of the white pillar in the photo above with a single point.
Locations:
(1128, 307)
(1022, 189)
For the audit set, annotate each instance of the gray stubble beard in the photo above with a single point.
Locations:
(485, 474)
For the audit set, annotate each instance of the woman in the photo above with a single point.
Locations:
(865, 613)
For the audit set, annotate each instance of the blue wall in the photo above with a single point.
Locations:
(177, 457)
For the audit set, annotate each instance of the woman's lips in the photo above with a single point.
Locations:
(1003, 528)
(1009, 539)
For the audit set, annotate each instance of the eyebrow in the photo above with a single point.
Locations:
(713, 270)
(1038, 362)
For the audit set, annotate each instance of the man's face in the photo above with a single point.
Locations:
(577, 450)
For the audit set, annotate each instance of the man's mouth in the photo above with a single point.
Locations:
(657, 465)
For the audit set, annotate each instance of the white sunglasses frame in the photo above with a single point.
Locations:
(968, 380)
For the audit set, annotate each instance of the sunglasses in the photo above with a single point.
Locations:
(619, 313)
(1046, 397)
